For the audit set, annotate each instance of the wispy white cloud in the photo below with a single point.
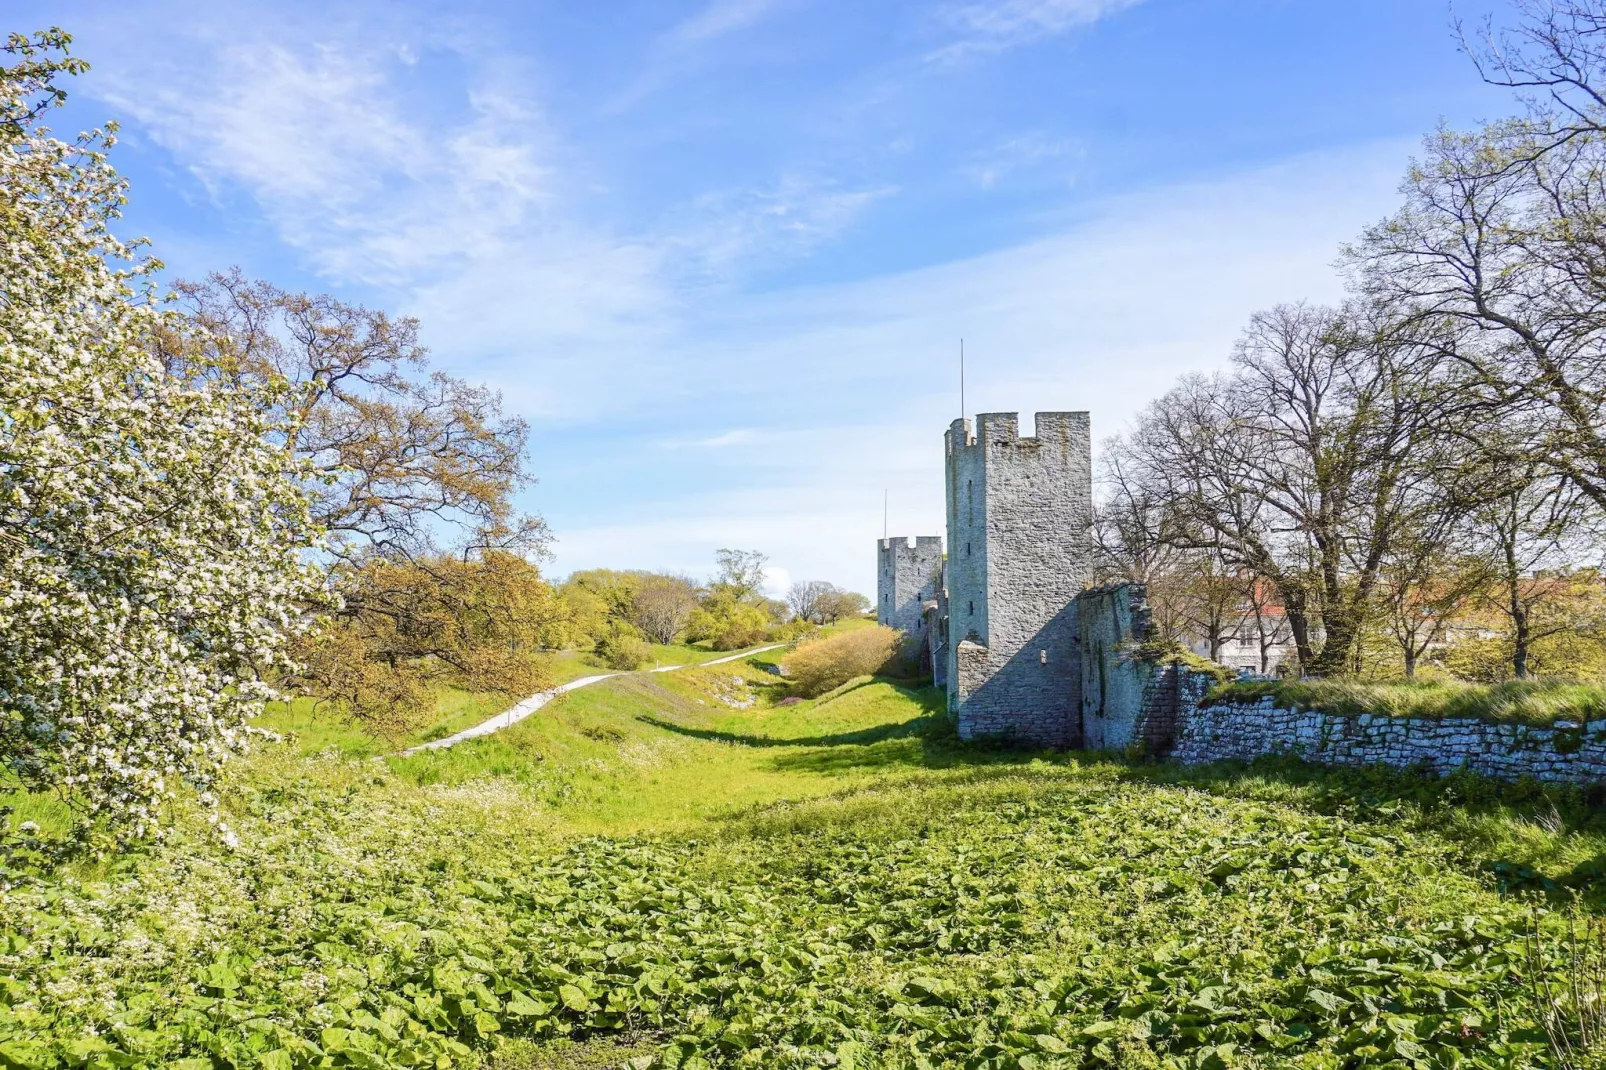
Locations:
(454, 200)
(1028, 152)
(725, 231)
(716, 20)
(324, 140)
(742, 436)
(457, 200)
(687, 46)
(993, 27)
(776, 581)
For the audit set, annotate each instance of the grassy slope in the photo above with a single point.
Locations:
(946, 894)
(572, 664)
(664, 750)
(312, 730)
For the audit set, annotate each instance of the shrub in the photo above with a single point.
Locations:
(738, 637)
(742, 626)
(817, 667)
(797, 630)
(621, 650)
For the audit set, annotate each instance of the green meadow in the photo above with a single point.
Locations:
(676, 869)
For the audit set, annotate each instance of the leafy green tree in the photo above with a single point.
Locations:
(837, 604)
(615, 589)
(740, 573)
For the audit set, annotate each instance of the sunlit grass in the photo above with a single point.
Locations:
(313, 728)
(569, 665)
(664, 751)
(701, 787)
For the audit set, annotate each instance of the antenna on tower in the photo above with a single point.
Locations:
(961, 378)
(885, 494)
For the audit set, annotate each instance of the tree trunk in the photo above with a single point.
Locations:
(1299, 628)
(1338, 645)
(1519, 611)
(1520, 639)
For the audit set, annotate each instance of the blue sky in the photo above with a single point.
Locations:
(720, 254)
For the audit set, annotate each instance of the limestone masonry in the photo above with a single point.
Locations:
(1019, 550)
(907, 578)
(1027, 651)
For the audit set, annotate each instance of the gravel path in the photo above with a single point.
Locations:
(512, 716)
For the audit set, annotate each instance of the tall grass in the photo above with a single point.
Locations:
(1535, 702)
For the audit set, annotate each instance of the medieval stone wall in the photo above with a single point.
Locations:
(1019, 550)
(1116, 683)
(1566, 752)
(937, 636)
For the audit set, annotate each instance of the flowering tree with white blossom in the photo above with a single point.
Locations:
(152, 535)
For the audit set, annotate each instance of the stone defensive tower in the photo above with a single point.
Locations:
(907, 577)
(1019, 552)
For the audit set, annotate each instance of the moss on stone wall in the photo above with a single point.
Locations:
(1535, 702)
(1170, 652)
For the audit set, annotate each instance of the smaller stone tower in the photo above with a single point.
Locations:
(907, 577)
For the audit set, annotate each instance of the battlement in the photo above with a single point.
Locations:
(996, 429)
(901, 543)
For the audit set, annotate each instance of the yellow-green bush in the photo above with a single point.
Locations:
(817, 667)
(620, 649)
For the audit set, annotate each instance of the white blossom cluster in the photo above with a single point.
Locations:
(152, 537)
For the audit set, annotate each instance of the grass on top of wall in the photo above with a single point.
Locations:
(1534, 702)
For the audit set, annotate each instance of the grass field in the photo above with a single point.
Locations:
(310, 730)
(671, 869)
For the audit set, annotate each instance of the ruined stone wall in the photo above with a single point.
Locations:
(937, 634)
(1157, 708)
(1574, 753)
(1116, 683)
(907, 577)
(1019, 551)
